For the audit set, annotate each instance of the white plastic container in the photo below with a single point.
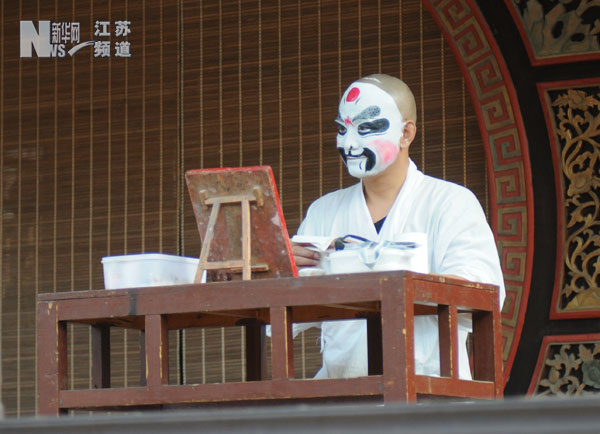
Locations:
(410, 255)
(149, 269)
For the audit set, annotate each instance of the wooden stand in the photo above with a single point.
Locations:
(245, 206)
(387, 300)
(234, 265)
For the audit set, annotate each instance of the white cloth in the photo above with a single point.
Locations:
(460, 243)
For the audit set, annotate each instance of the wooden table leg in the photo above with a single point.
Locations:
(52, 359)
(448, 337)
(100, 356)
(282, 345)
(487, 349)
(483, 343)
(497, 349)
(157, 350)
(142, 358)
(398, 356)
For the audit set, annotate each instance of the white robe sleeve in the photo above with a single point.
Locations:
(465, 246)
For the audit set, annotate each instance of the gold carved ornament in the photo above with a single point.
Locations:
(563, 27)
(578, 127)
(570, 370)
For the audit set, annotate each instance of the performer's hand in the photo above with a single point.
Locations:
(305, 257)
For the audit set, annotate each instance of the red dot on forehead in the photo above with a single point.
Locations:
(353, 94)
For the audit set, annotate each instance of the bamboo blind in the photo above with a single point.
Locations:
(93, 150)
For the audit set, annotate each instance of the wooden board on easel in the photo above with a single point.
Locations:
(241, 223)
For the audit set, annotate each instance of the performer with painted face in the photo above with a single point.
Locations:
(376, 124)
(369, 127)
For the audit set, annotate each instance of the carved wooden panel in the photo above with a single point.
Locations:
(558, 31)
(568, 365)
(573, 117)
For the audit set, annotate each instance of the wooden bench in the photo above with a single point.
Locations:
(387, 300)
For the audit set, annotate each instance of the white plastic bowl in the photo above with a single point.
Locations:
(148, 269)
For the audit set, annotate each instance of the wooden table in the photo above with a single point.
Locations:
(387, 300)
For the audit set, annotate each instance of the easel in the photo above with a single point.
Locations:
(232, 264)
(244, 205)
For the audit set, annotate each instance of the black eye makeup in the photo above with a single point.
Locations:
(373, 127)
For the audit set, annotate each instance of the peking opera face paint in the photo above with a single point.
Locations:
(369, 129)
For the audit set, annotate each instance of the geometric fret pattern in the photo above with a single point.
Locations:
(503, 135)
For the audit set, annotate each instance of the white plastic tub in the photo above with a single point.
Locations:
(359, 258)
(148, 269)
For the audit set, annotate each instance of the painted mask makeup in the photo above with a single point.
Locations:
(369, 129)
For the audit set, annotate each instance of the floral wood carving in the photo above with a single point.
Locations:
(560, 27)
(570, 369)
(577, 123)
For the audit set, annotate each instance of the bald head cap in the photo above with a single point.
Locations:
(398, 90)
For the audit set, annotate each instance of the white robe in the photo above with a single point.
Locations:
(460, 243)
